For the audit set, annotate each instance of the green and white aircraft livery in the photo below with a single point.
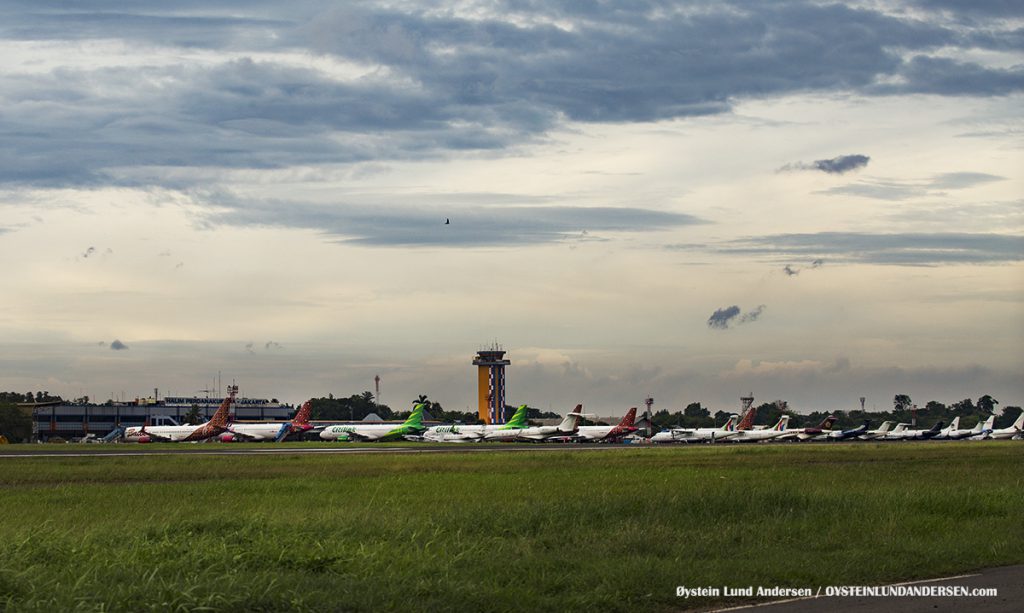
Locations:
(458, 433)
(413, 426)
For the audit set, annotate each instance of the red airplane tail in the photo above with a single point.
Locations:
(220, 418)
(748, 420)
(302, 417)
(627, 421)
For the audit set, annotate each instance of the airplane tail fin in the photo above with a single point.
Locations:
(220, 418)
(730, 424)
(571, 420)
(518, 418)
(415, 418)
(748, 420)
(781, 425)
(627, 421)
(302, 417)
(1019, 424)
(955, 424)
(989, 423)
(937, 427)
(826, 424)
(884, 427)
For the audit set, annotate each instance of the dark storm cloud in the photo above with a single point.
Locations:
(721, 319)
(478, 224)
(435, 81)
(836, 165)
(118, 346)
(900, 249)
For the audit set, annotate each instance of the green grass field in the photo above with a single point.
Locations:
(503, 531)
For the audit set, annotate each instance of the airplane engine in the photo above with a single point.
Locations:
(144, 439)
(227, 437)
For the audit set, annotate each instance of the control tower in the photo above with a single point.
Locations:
(490, 376)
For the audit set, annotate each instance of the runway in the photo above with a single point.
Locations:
(241, 449)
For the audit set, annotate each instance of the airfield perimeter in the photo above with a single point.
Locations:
(455, 528)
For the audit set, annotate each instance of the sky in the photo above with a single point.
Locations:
(692, 201)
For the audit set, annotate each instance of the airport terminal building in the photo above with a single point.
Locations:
(68, 420)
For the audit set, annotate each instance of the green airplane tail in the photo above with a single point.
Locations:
(416, 417)
(518, 419)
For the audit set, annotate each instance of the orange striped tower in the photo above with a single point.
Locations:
(490, 377)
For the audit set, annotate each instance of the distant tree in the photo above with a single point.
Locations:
(935, 408)
(963, 408)
(986, 405)
(15, 423)
(721, 417)
(193, 417)
(695, 410)
(355, 407)
(901, 402)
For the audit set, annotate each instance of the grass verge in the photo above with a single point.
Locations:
(497, 531)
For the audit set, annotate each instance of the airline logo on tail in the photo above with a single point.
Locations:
(625, 424)
(748, 419)
(518, 420)
(730, 425)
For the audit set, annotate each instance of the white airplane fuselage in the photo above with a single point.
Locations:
(368, 432)
(170, 434)
(270, 431)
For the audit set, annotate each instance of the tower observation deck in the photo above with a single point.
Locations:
(490, 376)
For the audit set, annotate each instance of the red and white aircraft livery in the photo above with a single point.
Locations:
(603, 433)
(180, 434)
(275, 431)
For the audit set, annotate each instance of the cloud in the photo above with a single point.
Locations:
(908, 249)
(888, 189)
(837, 165)
(752, 315)
(473, 223)
(722, 318)
(792, 271)
(118, 345)
(418, 82)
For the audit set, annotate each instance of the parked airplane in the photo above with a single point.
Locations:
(842, 435)
(269, 431)
(538, 433)
(906, 434)
(762, 434)
(458, 433)
(179, 434)
(697, 435)
(811, 434)
(953, 431)
(413, 426)
(982, 430)
(878, 433)
(1011, 431)
(602, 433)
